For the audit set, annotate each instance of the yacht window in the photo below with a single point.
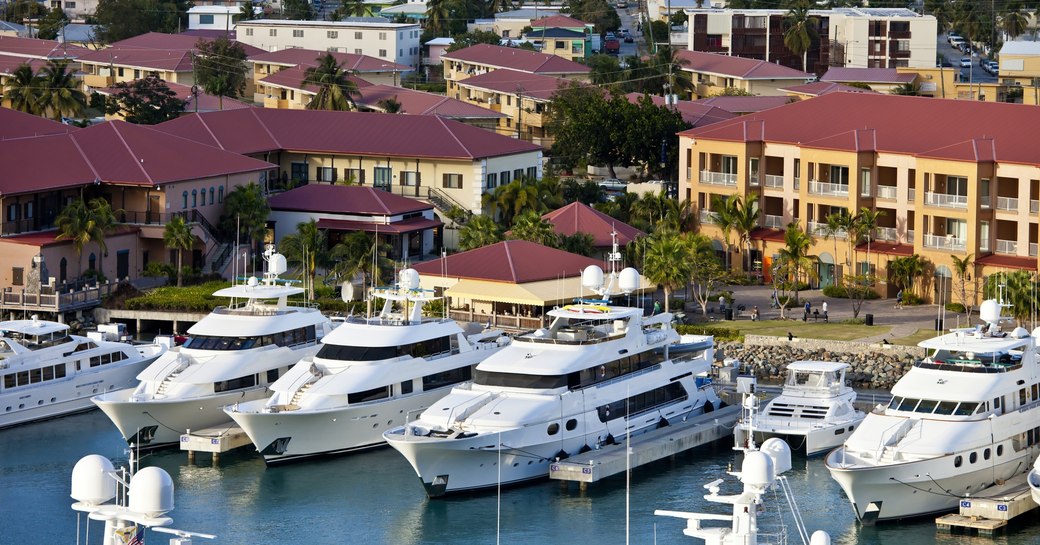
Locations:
(272, 375)
(1000, 450)
(572, 424)
(907, 404)
(894, 402)
(965, 409)
(973, 457)
(10, 381)
(35, 375)
(553, 429)
(235, 383)
(59, 371)
(642, 402)
(958, 461)
(985, 454)
(381, 392)
(926, 406)
(517, 380)
(616, 368)
(406, 387)
(48, 373)
(1022, 397)
(341, 352)
(446, 378)
(946, 407)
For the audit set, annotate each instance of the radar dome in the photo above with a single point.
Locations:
(819, 537)
(592, 277)
(1020, 333)
(277, 264)
(780, 452)
(408, 279)
(989, 311)
(151, 492)
(628, 280)
(347, 292)
(757, 469)
(91, 483)
(252, 282)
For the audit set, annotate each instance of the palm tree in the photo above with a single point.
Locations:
(306, 247)
(906, 271)
(336, 90)
(795, 254)
(103, 219)
(74, 223)
(800, 31)
(509, 200)
(478, 232)
(529, 225)
(177, 235)
(834, 228)
(24, 90)
(61, 95)
(578, 243)
(745, 221)
(352, 255)
(725, 209)
(910, 88)
(867, 222)
(666, 261)
(390, 105)
(356, 8)
(1013, 21)
(962, 268)
(438, 15)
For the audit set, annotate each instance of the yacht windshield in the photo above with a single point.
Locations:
(421, 349)
(517, 380)
(292, 337)
(931, 406)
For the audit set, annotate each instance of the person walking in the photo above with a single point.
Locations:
(899, 299)
(808, 308)
(754, 313)
(823, 306)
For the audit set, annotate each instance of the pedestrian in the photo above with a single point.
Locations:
(657, 307)
(776, 299)
(722, 303)
(754, 313)
(808, 309)
(899, 299)
(824, 307)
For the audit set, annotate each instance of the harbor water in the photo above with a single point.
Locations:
(375, 498)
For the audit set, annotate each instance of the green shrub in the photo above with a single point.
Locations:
(157, 269)
(955, 307)
(325, 292)
(93, 274)
(721, 334)
(839, 292)
(912, 299)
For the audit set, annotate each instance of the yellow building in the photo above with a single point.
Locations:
(106, 67)
(713, 73)
(484, 58)
(521, 97)
(950, 178)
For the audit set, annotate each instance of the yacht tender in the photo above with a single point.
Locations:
(231, 356)
(48, 373)
(593, 375)
(959, 421)
(815, 411)
(369, 374)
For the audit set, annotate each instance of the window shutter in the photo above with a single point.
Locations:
(335, 175)
(362, 181)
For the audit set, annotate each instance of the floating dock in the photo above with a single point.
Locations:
(677, 437)
(216, 441)
(991, 511)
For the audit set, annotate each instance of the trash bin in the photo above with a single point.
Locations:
(729, 313)
(938, 324)
(869, 319)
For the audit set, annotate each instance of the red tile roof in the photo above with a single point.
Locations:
(737, 67)
(581, 218)
(867, 75)
(423, 103)
(343, 199)
(159, 40)
(410, 225)
(693, 112)
(516, 59)
(558, 21)
(516, 261)
(113, 152)
(15, 124)
(764, 233)
(512, 82)
(9, 63)
(40, 49)
(309, 57)
(818, 88)
(207, 102)
(959, 130)
(889, 248)
(174, 60)
(744, 105)
(350, 133)
(1007, 261)
(292, 78)
(50, 238)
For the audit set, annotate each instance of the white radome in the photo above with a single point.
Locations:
(151, 491)
(91, 483)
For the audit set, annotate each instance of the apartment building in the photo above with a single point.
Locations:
(372, 36)
(270, 85)
(510, 24)
(950, 177)
(484, 58)
(104, 68)
(521, 97)
(714, 73)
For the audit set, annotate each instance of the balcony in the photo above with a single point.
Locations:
(718, 178)
(820, 229)
(945, 200)
(886, 233)
(824, 188)
(1007, 203)
(984, 201)
(911, 194)
(1033, 247)
(707, 217)
(887, 192)
(98, 81)
(1009, 247)
(909, 237)
(945, 243)
(774, 222)
(275, 102)
(775, 182)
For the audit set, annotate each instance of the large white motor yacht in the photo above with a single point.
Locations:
(595, 374)
(232, 355)
(1034, 481)
(815, 411)
(959, 421)
(368, 376)
(48, 373)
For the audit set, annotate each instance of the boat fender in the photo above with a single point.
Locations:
(584, 449)
(662, 423)
(709, 407)
(609, 440)
(562, 455)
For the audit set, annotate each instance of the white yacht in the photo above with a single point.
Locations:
(232, 355)
(596, 373)
(1034, 481)
(368, 376)
(960, 420)
(815, 412)
(48, 373)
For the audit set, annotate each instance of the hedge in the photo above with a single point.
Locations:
(839, 292)
(721, 334)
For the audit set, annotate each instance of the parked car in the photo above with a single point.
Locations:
(953, 36)
(992, 67)
(957, 42)
(622, 5)
(965, 62)
(612, 184)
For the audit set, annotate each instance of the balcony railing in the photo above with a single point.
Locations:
(820, 229)
(1007, 203)
(945, 200)
(718, 178)
(886, 192)
(1033, 247)
(911, 194)
(984, 201)
(797, 184)
(886, 233)
(909, 237)
(945, 243)
(824, 188)
(707, 216)
(753, 180)
(1009, 247)
(774, 181)
(774, 222)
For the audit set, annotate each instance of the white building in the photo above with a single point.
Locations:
(213, 17)
(372, 36)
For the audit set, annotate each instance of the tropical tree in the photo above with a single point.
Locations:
(834, 227)
(529, 225)
(745, 220)
(800, 30)
(866, 223)
(356, 8)
(24, 89)
(60, 91)
(469, 39)
(962, 267)
(1017, 289)
(177, 235)
(220, 67)
(74, 223)
(910, 88)
(706, 272)
(667, 262)
(509, 200)
(245, 209)
(438, 16)
(103, 219)
(336, 90)
(122, 19)
(145, 101)
(478, 232)
(353, 255)
(906, 271)
(390, 105)
(795, 255)
(297, 10)
(577, 111)
(942, 10)
(306, 247)
(50, 25)
(725, 209)
(578, 243)
(1013, 20)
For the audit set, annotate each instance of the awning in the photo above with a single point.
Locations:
(544, 293)
(396, 228)
(1007, 262)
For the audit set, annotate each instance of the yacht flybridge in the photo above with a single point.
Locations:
(960, 420)
(231, 356)
(368, 376)
(48, 373)
(597, 373)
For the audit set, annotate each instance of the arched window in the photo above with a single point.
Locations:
(195, 198)
(185, 195)
(220, 194)
(211, 192)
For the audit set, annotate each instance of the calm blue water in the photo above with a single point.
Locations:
(374, 498)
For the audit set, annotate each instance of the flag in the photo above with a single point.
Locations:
(131, 535)
(137, 538)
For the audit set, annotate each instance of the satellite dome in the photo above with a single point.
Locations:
(1020, 333)
(408, 279)
(989, 311)
(151, 492)
(252, 282)
(819, 537)
(780, 452)
(91, 483)
(277, 264)
(592, 277)
(628, 280)
(757, 469)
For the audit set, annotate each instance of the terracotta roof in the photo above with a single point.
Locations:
(40, 49)
(767, 234)
(516, 261)
(555, 33)
(174, 60)
(737, 67)
(183, 41)
(343, 199)
(350, 133)
(423, 103)
(309, 57)
(15, 124)
(113, 152)
(9, 63)
(867, 75)
(581, 218)
(693, 112)
(558, 21)
(409, 225)
(517, 59)
(889, 248)
(959, 130)
(207, 102)
(1007, 261)
(292, 78)
(743, 105)
(818, 88)
(512, 82)
(50, 238)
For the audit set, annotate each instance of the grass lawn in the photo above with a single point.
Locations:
(912, 340)
(834, 331)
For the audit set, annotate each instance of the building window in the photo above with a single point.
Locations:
(332, 34)
(220, 194)
(120, 71)
(560, 44)
(206, 19)
(354, 176)
(503, 177)
(298, 172)
(326, 174)
(357, 51)
(297, 33)
(382, 35)
(184, 205)
(195, 198)
(452, 181)
(212, 193)
(410, 178)
(70, 5)
(18, 276)
(249, 32)
(839, 175)
(492, 180)
(518, 174)
(382, 52)
(357, 35)
(532, 173)
(864, 180)
(272, 32)
(382, 177)
(27, 210)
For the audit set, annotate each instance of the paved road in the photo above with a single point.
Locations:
(975, 74)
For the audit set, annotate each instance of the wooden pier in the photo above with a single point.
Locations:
(216, 441)
(677, 437)
(991, 511)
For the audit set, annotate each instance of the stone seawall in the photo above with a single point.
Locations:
(873, 365)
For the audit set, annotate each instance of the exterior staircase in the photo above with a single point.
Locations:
(298, 395)
(444, 203)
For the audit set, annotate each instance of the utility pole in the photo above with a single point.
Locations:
(519, 110)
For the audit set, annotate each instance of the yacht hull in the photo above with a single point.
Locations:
(158, 423)
(814, 442)
(1034, 484)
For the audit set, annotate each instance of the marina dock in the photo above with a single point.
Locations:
(677, 437)
(991, 511)
(216, 441)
